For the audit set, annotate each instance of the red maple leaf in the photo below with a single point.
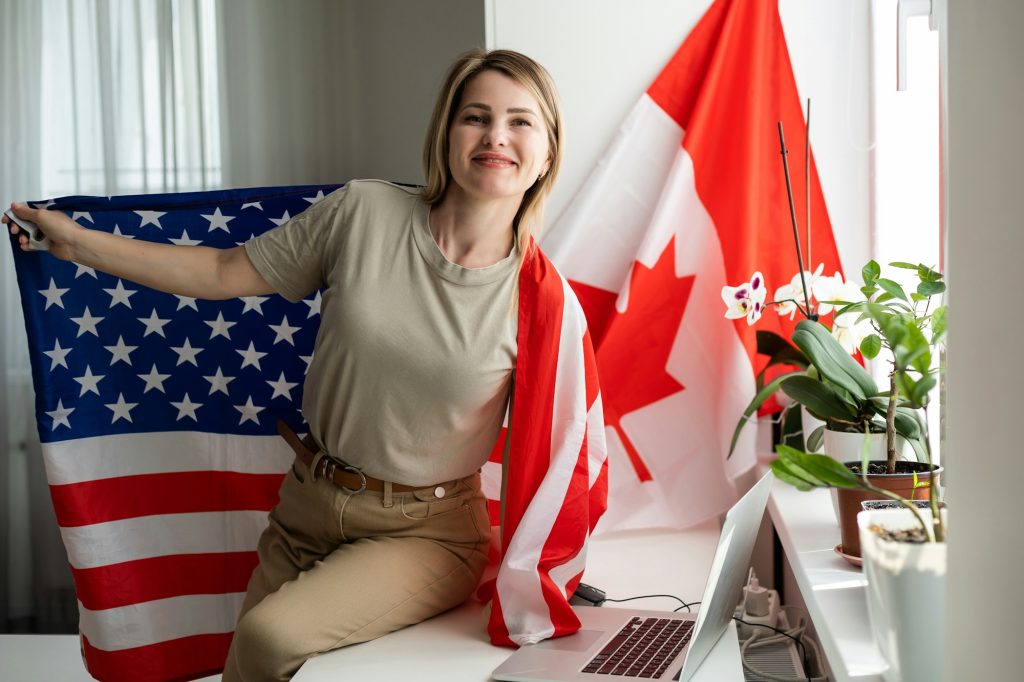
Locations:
(632, 348)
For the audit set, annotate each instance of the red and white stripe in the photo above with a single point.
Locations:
(696, 165)
(161, 531)
(557, 483)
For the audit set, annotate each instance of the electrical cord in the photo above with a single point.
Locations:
(795, 633)
(685, 605)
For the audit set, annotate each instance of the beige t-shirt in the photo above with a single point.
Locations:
(413, 362)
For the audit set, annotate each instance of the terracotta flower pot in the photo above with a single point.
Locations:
(900, 483)
(846, 447)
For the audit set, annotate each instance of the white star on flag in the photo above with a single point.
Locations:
(282, 387)
(251, 357)
(249, 412)
(120, 352)
(254, 204)
(121, 409)
(220, 326)
(120, 295)
(186, 302)
(119, 233)
(219, 221)
(58, 355)
(318, 197)
(154, 324)
(89, 382)
(187, 408)
(314, 305)
(219, 382)
(154, 380)
(60, 415)
(282, 220)
(253, 303)
(53, 295)
(46, 204)
(307, 359)
(285, 331)
(81, 214)
(187, 353)
(151, 218)
(184, 240)
(87, 323)
(84, 270)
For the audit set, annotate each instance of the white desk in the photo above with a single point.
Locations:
(833, 590)
(454, 646)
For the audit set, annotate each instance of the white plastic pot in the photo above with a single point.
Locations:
(906, 596)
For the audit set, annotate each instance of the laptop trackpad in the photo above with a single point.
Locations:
(580, 641)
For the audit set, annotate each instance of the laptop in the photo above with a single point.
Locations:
(618, 643)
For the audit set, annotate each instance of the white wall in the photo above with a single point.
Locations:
(984, 599)
(603, 54)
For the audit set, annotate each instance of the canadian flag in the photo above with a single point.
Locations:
(689, 197)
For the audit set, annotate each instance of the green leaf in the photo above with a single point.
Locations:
(892, 288)
(818, 397)
(870, 346)
(831, 361)
(779, 352)
(903, 264)
(821, 467)
(784, 474)
(905, 423)
(870, 272)
(755, 404)
(938, 324)
(850, 307)
(792, 432)
(927, 274)
(919, 394)
(868, 291)
(917, 298)
(815, 439)
(865, 454)
(931, 288)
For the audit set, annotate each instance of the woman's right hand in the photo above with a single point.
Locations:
(58, 227)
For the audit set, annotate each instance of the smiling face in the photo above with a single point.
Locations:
(498, 141)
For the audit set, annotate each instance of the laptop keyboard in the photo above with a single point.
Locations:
(644, 647)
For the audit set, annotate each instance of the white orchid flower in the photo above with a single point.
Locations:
(789, 295)
(746, 300)
(849, 332)
(835, 289)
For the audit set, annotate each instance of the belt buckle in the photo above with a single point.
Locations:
(362, 478)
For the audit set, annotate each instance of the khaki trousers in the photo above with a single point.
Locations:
(337, 569)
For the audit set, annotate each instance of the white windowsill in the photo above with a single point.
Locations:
(832, 589)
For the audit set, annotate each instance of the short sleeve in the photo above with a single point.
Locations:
(294, 257)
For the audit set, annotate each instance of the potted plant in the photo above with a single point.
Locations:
(911, 329)
(904, 549)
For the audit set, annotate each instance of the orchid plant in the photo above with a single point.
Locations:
(748, 300)
(829, 383)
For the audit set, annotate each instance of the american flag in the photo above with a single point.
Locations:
(157, 417)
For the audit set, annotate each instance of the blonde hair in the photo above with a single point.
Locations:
(530, 75)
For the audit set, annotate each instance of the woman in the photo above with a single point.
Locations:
(433, 300)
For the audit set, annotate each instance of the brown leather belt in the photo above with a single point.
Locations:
(345, 476)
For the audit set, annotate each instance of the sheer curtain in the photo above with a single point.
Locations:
(99, 97)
